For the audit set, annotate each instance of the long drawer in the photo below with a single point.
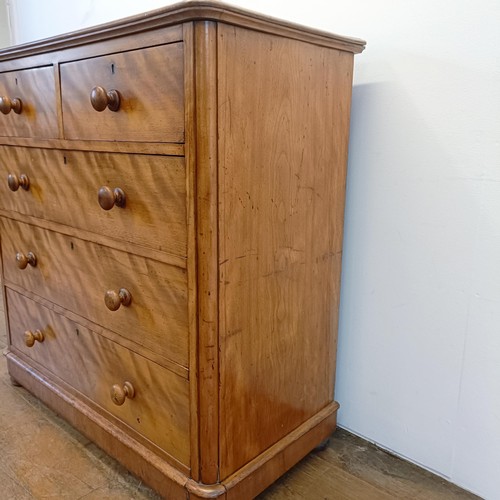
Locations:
(79, 276)
(150, 109)
(99, 369)
(63, 186)
(37, 113)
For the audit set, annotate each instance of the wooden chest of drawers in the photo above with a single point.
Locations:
(171, 211)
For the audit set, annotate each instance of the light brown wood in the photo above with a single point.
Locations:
(190, 131)
(101, 99)
(167, 479)
(275, 461)
(64, 187)
(76, 275)
(120, 393)
(207, 248)
(213, 10)
(199, 292)
(92, 364)
(35, 88)
(31, 337)
(151, 109)
(182, 371)
(14, 182)
(8, 105)
(149, 148)
(22, 260)
(280, 222)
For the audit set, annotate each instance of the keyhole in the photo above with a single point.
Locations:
(113, 69)
(72, 246)
(65, 160)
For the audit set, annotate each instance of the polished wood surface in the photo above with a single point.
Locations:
(101, 99)
(92, 365)
(31, 337)
(280, 229)
(176, 233)
(176, 14)
(149, 109)
(207, 248)
(14, 182)
(64, 187)
(77, 274)
(37, 111)
(7, 105)
(22, 260)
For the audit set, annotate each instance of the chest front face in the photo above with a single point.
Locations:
(171, 215)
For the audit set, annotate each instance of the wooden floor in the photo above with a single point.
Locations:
(42, 457)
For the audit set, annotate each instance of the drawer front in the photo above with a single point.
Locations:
(36, 90)
(76, 275)
(150, 83)
(64, 186)
(92, 364)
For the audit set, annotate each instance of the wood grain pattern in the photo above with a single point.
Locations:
(207, 249)
(281, 213)
(64, 187)
(147, 148)
(143, 25)
(159, 409)
(276, 460)
(147, 465)
(151, 109)
(76, 274)
(231, 255)
(36, 89)
(190, 161)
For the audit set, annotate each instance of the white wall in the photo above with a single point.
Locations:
(4, 25)
(419, 347)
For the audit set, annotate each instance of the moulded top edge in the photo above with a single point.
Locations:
(190, 10)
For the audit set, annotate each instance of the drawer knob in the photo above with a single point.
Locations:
(16, 182)
(23, 260)
(108, 197)
(7, 105)
(114, 300)
(31, 337)
(120, 393)
(102, 99)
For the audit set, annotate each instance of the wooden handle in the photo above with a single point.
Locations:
(7, 105)
(101, 99)
(23, 260)
(16, 182)
(31, 337)
(120, 393)
(114, 300)
(108, 198)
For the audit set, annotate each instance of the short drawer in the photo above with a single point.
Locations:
(150, 85)
(63, 186)
(77, 275)
(37, 114)
(159, 408)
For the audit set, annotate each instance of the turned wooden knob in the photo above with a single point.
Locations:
(7, 105)
(16, 182)
(23, 260)
(31, 337)
(114, 300)
(108, 197)
(101, 99)
(120, 393)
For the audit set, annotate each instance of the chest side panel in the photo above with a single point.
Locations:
(283, 130)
